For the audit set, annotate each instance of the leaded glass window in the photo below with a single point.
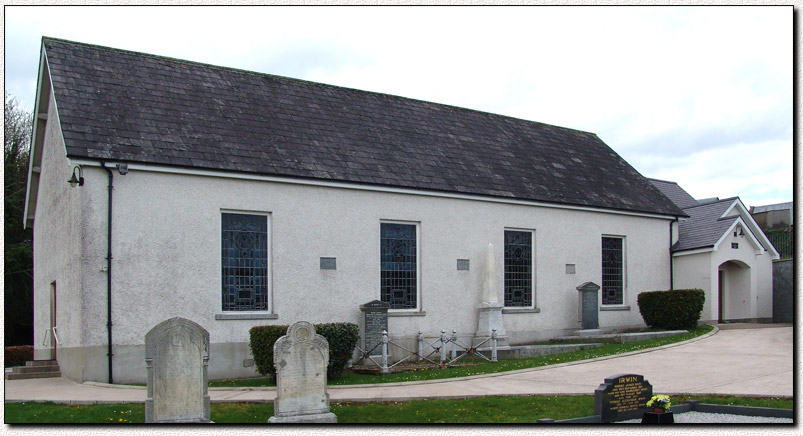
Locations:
(245, 262)
(612, 271)
(518, 268)
(399, 265)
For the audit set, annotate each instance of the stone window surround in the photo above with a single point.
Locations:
(417, 311)
(523, 309)
(245, 315)
(622, 306)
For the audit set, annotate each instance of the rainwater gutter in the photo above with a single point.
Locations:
(672, 260)
(109, 270)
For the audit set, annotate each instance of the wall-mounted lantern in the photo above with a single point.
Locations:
(79, 181)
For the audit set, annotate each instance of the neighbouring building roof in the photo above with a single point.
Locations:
(131, 107)
(771, 207)
(675, 193)
(705, 225)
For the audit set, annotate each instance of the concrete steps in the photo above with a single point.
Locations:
(35, 369)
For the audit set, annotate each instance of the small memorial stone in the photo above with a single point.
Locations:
(301, 357)
(176, 357)
(622, 397)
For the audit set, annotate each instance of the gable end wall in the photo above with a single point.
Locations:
(58, 251)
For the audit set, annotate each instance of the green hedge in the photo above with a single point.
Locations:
(342, 338)
(18, 354)
(672, 310)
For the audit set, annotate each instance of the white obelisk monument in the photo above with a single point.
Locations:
(491, 309)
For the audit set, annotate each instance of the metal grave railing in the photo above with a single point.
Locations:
(439, 346)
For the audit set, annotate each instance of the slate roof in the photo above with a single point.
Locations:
(704, 226)
(674, 192)
(124, 106)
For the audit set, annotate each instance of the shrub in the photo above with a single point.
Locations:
(18, 355)
(261, 342)
(342, 338)
(672, 310)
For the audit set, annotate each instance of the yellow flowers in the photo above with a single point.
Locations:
(122, 412)
(660, 402)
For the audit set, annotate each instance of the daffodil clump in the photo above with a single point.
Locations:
(124, 419)
(659, 402)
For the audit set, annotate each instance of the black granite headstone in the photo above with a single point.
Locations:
(622, 397)
(375, 321)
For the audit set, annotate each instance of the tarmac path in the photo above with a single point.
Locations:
(739, 359)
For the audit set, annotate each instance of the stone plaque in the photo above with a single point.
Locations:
(301, 357)
(622, 397)
(328, 263)
(589, 305)
(176, 357)
(463, 264)
(375, 321)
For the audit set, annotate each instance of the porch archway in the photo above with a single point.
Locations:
(734, 291)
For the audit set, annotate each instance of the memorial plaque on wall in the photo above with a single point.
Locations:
(375, 321)
(622, 397)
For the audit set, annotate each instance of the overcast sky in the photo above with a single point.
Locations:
(697, 95)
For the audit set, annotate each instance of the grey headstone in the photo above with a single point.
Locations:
(176, 357)
(375, 321)
(622, 397)
(589, 305)
(301, 357)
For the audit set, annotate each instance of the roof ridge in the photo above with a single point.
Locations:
(309, 82)
(729, 199)
(660, 180)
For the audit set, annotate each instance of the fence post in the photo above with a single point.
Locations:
(384, 352)
(493, 345)
(443, 346)
(420, 346)
(454, 344)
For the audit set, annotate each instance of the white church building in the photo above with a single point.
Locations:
(236, 199)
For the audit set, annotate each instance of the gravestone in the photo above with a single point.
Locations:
(375, 321)
(176, 357)
(589, 309)
(622, 397)
(301, 357)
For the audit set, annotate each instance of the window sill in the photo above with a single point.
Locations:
(230, 316)
(407, 313)
(612, 308)
(511, 310)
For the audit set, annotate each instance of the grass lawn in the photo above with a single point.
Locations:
(608, 349)
(512, 410)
